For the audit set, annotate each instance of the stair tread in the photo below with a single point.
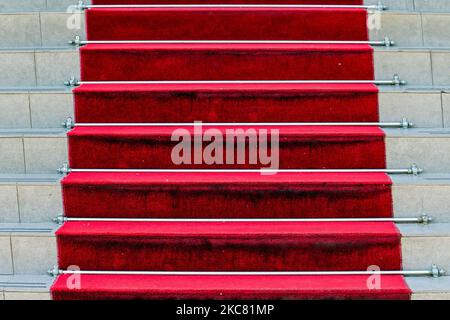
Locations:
(177, 177)
(227, 229)
(224, 87)
(257, 47)
(291, 131)
(126, 286)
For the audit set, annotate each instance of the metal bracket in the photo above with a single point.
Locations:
(381, 6)
(68, 124)
(76, 41)
(415, 170)
(425, 219)
(396, 81)
(73, 82)
(437, 272)
(54, 272)
(65, 169)
(59, 219)
(405, 124)
(81, 6)
(388, 42)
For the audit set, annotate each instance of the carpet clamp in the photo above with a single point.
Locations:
(72, 82)
(437, 272)
(64, 169)
(68, 124)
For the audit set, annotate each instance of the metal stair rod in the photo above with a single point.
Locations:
(83, 6)
(394, 81)
(434, 271)
(78, 42)
(423, 219)
(69, 124)
(414, 170)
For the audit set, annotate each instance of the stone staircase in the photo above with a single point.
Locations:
(35, 60)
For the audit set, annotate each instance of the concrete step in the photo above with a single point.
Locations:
(424, 245)
(429, 288)
(44, 150)
(37, 68)
(39, 5)
(427, 147)
(36, 5)
(29, 198)
(54, 29)
(422, 66)
(37, 198)
(27, 248)
(25, 287)
(51, 67)
(414, 5)
(413, 29)
(30, 249)
(426, 193)
(35, 107)
(427, 107)
(32, 151)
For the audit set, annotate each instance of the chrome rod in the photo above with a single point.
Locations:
(412, 170)
(232, 6)
(434, 271)
(248, 124)
(422, 219)
(387, 42)
(394, 81)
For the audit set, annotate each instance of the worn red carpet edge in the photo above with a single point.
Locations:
(299, 147)
(226, 24)
(227, 103)
(231, 287)
(337, 2)
(227, 195)
(234, 246)
(147, 62)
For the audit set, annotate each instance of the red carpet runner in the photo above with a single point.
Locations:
(227, 246)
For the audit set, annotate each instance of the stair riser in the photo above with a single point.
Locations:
(47, 109)
(435, 5)
(26, 254)
(231, 254)
(293, 152)
(241, 24)
(30, 202)
(238, 63)
(49, 29)
(219, 105)
(30, 154)
(225, 200)
(52, 68)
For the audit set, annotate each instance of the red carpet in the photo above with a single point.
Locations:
(231, 287)
(226, 24)
(226, 62)
(227, 103)
(225, 195)
(227, 246)
(300, 147)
